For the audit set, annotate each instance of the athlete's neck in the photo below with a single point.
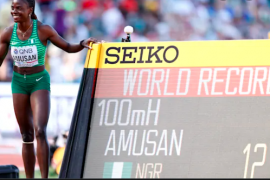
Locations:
(23, 26)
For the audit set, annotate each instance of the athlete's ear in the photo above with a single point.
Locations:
(31, 11)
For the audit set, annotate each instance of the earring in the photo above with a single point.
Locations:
(29, 14)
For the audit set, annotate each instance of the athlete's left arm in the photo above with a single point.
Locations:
(58, 41)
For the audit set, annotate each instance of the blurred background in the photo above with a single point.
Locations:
(152, 20)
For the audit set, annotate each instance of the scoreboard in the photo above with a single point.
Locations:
(172, 110)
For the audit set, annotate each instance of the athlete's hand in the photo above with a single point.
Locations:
(85, 43)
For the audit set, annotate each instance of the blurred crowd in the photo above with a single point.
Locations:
(152, 20)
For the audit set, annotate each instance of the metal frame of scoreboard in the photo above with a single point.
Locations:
(74, 157)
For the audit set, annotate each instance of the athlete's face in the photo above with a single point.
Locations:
(20, 10)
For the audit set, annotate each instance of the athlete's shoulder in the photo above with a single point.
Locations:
(9, 29)
(7, 33)
(44, 28)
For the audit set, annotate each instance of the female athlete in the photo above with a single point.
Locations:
(27, 39)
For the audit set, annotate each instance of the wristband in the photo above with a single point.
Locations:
(81, 43)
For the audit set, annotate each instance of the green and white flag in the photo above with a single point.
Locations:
(31, 41)
(117, 170)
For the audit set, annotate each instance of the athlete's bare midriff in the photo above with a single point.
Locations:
(28, 70)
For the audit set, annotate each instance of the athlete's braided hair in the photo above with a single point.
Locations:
(32, 3)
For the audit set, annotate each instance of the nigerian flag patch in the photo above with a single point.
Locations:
(31, 41)
(117, 170)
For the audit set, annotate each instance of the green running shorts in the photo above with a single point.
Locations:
(27, 84)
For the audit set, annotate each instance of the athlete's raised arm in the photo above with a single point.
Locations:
(4, 43)
(58, 41)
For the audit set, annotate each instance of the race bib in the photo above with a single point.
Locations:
(26, 56)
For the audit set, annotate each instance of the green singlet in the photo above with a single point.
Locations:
(28, 53)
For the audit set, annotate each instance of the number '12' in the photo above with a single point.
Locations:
(247, 150)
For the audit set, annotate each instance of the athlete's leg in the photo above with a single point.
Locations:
(40, 103)
(23, 114)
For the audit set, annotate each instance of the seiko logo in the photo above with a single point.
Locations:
(169, 54)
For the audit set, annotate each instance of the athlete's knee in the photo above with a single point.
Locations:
(41, 133)
(28, 137)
